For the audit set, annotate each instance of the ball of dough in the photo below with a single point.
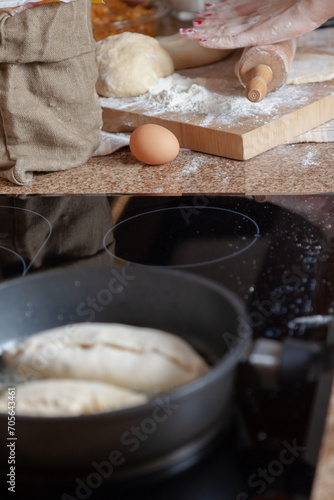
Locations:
(189, 53)
(129, 64)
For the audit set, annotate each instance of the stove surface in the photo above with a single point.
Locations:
(277, 256)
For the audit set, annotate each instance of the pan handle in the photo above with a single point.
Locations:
(306, 361)
(271, 362)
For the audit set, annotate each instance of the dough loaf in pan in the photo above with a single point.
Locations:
(137, 358)
(67, 398)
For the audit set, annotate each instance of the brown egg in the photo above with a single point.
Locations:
(153, 144)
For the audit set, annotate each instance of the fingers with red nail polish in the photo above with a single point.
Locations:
(185, 31)
(243, 23)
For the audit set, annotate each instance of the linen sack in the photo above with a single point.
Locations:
(51, 117)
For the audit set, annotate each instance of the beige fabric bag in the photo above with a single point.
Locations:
(50, 113)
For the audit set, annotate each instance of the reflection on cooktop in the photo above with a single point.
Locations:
(39, 233)
(273, 258)
(214, 235)
(10, 217)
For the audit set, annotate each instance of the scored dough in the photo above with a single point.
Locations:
(189, 53)
(142, 359)
(129, 64)
(64, 398)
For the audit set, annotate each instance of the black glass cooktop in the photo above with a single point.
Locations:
(277, 256)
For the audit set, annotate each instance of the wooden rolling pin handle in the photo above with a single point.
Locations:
(256, 89)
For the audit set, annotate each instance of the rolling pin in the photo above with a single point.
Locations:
(265, 68)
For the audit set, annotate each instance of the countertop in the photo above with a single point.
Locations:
(306, 168)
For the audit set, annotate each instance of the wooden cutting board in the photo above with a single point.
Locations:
(238, 134)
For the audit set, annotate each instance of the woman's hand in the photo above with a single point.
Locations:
(242, 23)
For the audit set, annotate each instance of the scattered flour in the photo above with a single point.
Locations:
(190, 168)
(197, 162)
(308, 160)
(183, 95)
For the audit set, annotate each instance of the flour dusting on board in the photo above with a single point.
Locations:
(183, 95)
